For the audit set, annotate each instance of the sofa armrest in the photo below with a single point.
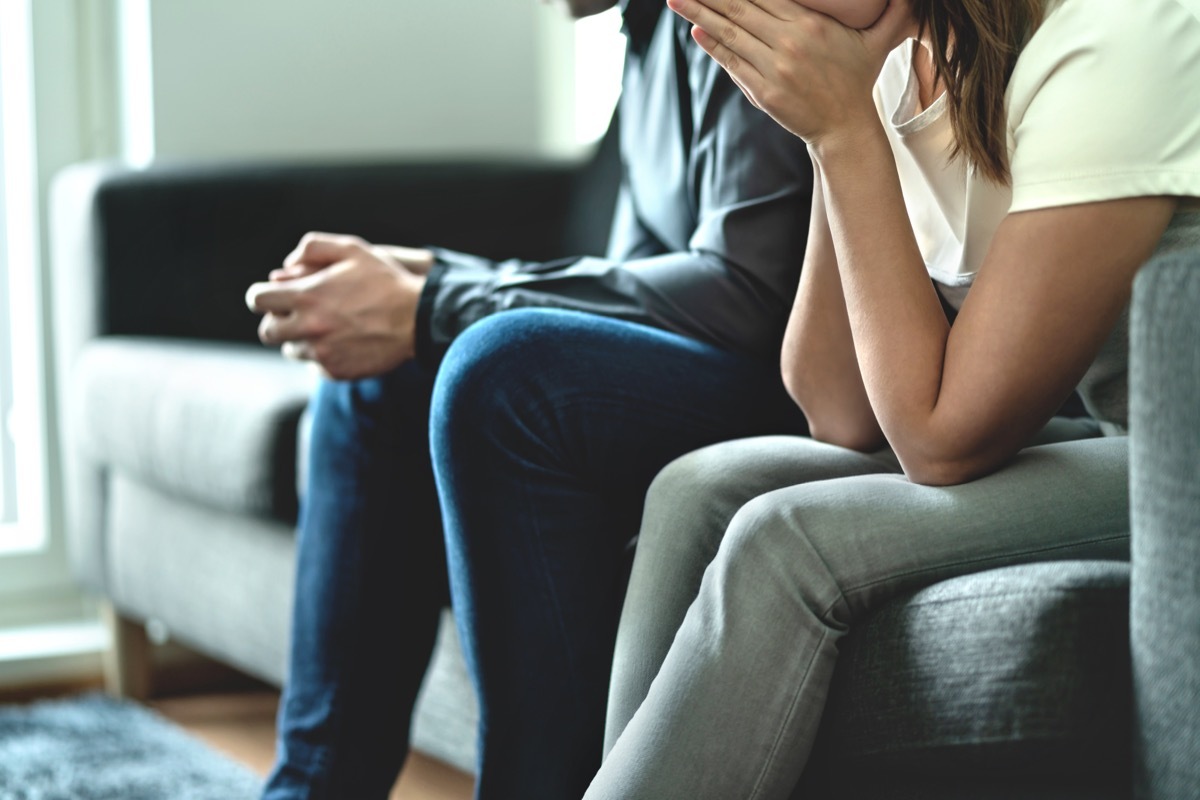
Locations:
(1165, 501)
(209, 422)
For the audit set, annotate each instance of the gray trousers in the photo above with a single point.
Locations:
(756, 556)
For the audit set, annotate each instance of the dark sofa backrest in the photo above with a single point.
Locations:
(174, 247)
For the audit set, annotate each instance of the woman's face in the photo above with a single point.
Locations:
(851, 13)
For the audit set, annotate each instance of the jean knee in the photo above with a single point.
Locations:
(700, 492)
(685, 482)
(686, 505)
(341, 409)
(485, 366)
(771, 547)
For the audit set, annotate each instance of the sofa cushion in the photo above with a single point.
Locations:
(1020, 671)
(212, 423)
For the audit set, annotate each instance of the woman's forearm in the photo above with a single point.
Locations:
(819, 366)
(896, 320)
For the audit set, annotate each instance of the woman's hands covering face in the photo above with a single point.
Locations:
(812, 74)
(851, 13)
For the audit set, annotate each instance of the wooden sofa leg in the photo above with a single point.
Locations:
(127, 660)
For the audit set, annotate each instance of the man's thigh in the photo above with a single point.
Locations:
(609, 402)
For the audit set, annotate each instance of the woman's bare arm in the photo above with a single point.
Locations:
(956, 403)
(953, 404)
(819, 366)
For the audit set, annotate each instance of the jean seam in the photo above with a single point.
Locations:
(538, 540)
(324, 755)
(1025, 593)
(759, 784)
(969, 561)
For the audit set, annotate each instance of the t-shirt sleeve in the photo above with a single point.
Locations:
(1104, 104)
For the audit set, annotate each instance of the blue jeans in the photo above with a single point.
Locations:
(545, 431)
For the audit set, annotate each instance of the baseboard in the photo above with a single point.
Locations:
(53, 661)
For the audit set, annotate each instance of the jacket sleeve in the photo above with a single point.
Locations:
(730, 281)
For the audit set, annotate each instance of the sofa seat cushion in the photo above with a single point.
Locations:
(1016, 672)
(212, 423)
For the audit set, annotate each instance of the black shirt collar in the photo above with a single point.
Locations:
(641, 17)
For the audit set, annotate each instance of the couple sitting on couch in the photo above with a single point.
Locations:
(1035, 153)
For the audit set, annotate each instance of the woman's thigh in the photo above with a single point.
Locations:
(878, 536)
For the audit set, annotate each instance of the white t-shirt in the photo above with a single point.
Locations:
(1104, 103)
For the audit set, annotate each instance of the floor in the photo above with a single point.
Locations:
(237, 717)
(242, 725)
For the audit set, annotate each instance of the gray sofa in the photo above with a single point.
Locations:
(181, 456)
(179, 436)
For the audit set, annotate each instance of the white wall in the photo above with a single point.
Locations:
(315, 78)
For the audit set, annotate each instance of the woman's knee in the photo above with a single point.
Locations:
(687, 485)
(708, 486)
(773, 552)
(691, 500)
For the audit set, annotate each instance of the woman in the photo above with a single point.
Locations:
(1027, 156)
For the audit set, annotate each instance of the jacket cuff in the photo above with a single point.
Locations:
(425, 354)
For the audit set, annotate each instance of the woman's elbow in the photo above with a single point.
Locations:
(945, 470)
(834, 423)
(848, 434)
(936, 473)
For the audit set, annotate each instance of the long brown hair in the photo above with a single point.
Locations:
(975, 45)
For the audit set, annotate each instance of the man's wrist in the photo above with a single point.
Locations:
(423, 318)
(413, 286)
(416, 260)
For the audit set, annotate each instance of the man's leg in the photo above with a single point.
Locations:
(370, 581)
(736, 704)
(546, 429)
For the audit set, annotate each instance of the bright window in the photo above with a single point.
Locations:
(22, 439)
(599, 54)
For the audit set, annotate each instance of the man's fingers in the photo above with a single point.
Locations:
(728, 33)
(321, 249)
(292, 271)
(282, 328)
(298, 351)
(278, 329)
(278, 297)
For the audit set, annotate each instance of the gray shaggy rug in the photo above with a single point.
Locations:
(96, 748)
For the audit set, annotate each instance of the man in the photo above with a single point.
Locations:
(546, 425)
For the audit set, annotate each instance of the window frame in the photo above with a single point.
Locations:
(35, 580)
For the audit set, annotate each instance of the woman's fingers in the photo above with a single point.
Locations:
(744, 74)
(728, 33)
(746, 92)
(760, 18)
(892, 28)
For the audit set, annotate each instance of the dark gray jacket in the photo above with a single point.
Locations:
(711, 218)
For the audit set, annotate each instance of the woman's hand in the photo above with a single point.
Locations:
(812, 74)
